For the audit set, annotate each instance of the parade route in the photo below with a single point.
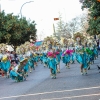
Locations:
(73, 90)
(69, 85)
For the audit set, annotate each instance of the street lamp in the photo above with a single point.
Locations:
(22, 7)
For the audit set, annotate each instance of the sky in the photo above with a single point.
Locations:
(43, 12)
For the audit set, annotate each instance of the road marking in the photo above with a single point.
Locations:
(71, 97)
(25, 95)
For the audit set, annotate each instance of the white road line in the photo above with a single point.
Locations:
(71, 97)
(25, 95)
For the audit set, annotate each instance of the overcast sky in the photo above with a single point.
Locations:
(43, 11)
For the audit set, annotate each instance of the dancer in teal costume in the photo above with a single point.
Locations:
(82, 58)
(73, 57)
(17, 73)
(66, 60)
(0, 65)
(26, 68)
(58, 58)
(63, 58)
(90, 59)
(61, 53)
(94, 55)
(5, 64)
(14, 74)
(52, 66)
(45, 60)
(41, 58)
(95, 52)
(36, 59)
(31, 63)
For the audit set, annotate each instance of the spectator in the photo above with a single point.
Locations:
(12, 56)
(16, 58)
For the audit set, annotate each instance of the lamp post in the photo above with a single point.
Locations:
(22, 7)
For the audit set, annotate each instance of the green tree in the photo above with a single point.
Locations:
(15, 30)
(94, 12)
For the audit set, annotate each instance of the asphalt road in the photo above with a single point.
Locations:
(69, 85)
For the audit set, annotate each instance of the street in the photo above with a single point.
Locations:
(69, 85)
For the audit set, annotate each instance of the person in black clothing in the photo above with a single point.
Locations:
(98, 44)
(98, 47)
(16, 58)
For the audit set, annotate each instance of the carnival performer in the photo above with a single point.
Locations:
(13, 72)
(5, 64)
(66, 57)
(26, 68)
(45, 60)
(73, 56)
(23, 68)
(93, 56)
(58, 58)
(95, 51)
(89, 53)
(31, 61)
(82, 58)
(41, 57)
(52, 64)
(36, 58)
(17, 73)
